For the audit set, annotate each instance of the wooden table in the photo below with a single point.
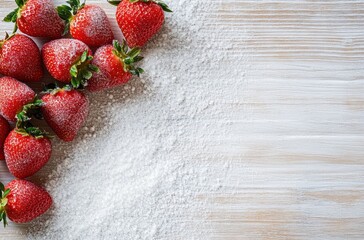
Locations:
(301, 136)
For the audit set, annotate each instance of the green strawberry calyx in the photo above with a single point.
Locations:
(7, 37)
(128, 57)
(54, 89)
(162, 4)
(3, 202)
(15, 14)
(82, 71)
(66, 12)
(24, 117)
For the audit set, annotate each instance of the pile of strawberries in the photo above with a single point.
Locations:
(75, 30)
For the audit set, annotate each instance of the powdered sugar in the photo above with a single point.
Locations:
(141, 167)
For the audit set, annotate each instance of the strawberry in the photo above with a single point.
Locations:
(23, 201)
(65, 110)
(13, 96)
(87, 23)
(37, 18)
(115, 65)
(27, 149)
(26, 154)
(139, 20)
(4, 131)
(20, 58)
(68, 60)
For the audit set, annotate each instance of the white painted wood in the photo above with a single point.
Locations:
(295, 139)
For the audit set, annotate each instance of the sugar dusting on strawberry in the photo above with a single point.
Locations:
(37, 18)
(65, 111)
(116, 66)
(59, 56)
(20, 58)
(88, 23)
(139, 20)
(26, 154)
(4, 131)
(13, 96)
(23, 201)
(91, 26)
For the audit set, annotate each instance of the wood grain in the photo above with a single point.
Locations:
(295, 139)
(300, 142)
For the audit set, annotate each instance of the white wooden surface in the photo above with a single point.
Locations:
(298, 123)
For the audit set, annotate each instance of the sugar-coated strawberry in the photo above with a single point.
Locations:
(26, 154)
(68, 60)
(65, 110)
(4, 131)
(20, 58)
(13, 96)
(37, 18)
(115, 65)
(23, 201)
(88, 23)
(139, 20)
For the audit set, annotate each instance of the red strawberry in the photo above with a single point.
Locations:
(23, 201)
(13, 96)
(87, 23)
(4, 131)
(20, 58)
(37, 18)
(139, 20)
(26, 154)
(65, 110)
(115, 65)
(67, 60)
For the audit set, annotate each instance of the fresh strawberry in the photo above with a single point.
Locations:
(65, 110)
(27, 149)
(23, 201)
(87, 23)
(68, 60)
(20, 58)
(37, 18)
(26, 154)
(4, 131)
(115, 65)
(139, 20)
(13, 96)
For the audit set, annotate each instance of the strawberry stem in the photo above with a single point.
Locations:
(3, 202)
(23, 124)
(82, 71)
(7, 37)
(128, 57)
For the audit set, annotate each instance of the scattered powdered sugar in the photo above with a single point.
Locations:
(142, 167)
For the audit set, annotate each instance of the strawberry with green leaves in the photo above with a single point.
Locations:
(139, 20)
(65, 110)
(22, 201)
(20, 58)
(4, 131)
(37, 18)
(13, 96)
(69, 61)
(87, 23)
(116, 66)
(27, 148)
